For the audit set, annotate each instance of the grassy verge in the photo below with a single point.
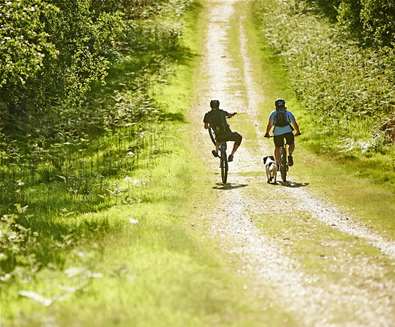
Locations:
(134, 257)
(344, 89)
(151, 271)
(319, 249)
(341, 181)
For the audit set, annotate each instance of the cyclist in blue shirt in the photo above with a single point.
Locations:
(284, 123)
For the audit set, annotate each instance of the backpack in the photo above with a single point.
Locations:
(281, 118)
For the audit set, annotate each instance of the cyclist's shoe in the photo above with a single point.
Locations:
(230, 158)
(215, 153)
(290, 161)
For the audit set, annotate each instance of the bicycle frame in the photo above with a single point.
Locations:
(283, 163)
(222, 147)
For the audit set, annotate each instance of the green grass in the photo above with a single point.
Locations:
(154, 272)
(339, 89)
(319, 249)
(133, 253)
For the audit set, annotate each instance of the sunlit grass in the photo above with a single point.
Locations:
(338, 102)
(129, 252)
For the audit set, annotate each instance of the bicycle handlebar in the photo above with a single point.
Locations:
(269, 136)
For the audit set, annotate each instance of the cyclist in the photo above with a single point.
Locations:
(216, 119)
(284, 123)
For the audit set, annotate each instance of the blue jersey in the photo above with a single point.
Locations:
(280, 130)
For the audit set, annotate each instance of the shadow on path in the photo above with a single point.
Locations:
(292, 184)
(228, 186)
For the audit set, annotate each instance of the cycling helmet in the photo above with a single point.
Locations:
(279, 103)
(214, 103)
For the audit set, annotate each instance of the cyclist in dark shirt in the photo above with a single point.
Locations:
(216, 119)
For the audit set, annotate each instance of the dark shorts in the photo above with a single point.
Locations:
(230, 136)
(279, 139)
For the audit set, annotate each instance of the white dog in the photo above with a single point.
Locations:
(271, 169)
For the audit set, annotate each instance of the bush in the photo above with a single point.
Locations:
(55, 53)
(371, 22)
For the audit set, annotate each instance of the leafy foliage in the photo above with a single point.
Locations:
(371, 21)
(76, 114)
(53, 52)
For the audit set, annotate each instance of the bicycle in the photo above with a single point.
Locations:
(283, 164)
(223, 157)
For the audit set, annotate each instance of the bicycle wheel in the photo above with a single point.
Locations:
(283, 164)
(224, 164)
(212, 135)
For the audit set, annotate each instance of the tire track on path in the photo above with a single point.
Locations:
(320, 209)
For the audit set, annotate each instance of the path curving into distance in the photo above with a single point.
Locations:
(263, 261)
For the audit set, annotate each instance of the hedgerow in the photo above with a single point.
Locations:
(347, 89)
(372, 22)
(56, 57)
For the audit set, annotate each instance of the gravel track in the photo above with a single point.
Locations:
(261, 259)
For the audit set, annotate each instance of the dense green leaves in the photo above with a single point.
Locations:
(50, 54)
(24, 41)
(371, 21)
(53, 52)
(378, 21)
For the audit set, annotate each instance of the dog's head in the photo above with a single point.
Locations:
(267, 159)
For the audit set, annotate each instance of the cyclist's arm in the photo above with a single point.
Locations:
(206, 121)
(268, 127)
(229, 115)
(296, 126)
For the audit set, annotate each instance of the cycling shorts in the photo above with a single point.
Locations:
(229, 136)
(279, 139)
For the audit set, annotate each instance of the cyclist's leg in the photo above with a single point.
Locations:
(291, 147)
(278, 143)
(217, 144)
(291, 143)
(218, 140)
(277, 154)
(237, 138)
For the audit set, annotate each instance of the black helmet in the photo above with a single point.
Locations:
(279, 103)
(214, 103)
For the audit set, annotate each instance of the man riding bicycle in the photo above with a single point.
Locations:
(284, 123)
(216, 119)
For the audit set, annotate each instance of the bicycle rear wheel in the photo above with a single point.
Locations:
(283, 164)
(224, 166)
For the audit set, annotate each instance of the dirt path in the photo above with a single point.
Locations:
(263, 260)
